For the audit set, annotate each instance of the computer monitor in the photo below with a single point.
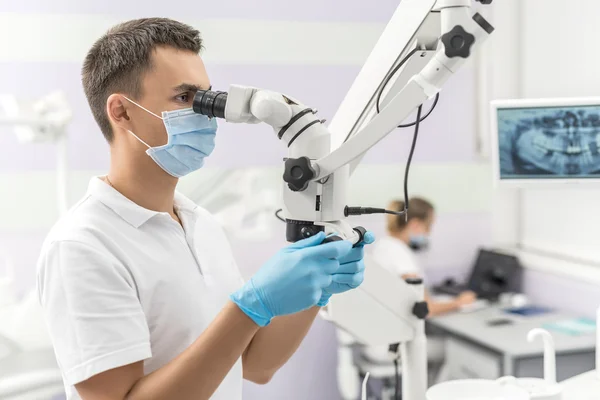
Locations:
(495, 273)
(546, 141)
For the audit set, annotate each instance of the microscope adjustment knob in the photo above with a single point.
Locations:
(298, 173)
(414, 281)
(458, 42)
(331, 239)
(309, 231)
(421, 310)
(361, 233)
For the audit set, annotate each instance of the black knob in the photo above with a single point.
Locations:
(298, 173)
(361, 234)
(485, 1)
(298, 230)
(332, 239)
(414, 281)
(483, 23)
(309, 231)
(421, 310)
(458, 42)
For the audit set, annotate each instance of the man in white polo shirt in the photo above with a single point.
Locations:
(140, 291)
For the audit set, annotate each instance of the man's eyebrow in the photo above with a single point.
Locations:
(188, 87)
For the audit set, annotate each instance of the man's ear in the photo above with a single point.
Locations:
(116, 109)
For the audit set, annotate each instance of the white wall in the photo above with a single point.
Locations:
(499, 77)
(547, 48)
(560, 59)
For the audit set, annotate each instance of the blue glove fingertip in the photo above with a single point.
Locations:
(369, 238)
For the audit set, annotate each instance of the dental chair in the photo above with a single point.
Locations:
(28, 368)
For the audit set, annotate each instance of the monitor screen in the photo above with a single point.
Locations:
(548, 142)
(495, 273)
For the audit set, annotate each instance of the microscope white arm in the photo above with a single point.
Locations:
(384, 309)
(443, 33)
(436, 61)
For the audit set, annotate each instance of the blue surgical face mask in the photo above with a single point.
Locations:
(418, 242)
(191, 138)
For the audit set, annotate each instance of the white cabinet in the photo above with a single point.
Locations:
(466, 361)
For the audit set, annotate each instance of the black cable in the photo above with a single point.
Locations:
(391, 75)
(389, 78)
(368, 210)
(410, 156)
(435, 102)
(394, 212)
(416, 124)
(277, 215)
(387, 81)
(397, 369)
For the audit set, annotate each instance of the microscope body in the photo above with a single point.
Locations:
(425, 43)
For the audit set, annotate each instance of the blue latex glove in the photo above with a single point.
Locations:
(292, 281)
(351, 273)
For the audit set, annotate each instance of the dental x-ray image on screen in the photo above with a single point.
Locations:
(549, 142)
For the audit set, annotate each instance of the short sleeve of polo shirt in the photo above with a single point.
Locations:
(92, 310)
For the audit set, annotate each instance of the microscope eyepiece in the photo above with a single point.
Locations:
(210, 103)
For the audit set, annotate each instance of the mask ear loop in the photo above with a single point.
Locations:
(149, 112)
(141, 141)
(142, 107)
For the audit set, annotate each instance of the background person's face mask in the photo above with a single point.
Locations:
(418, 242)
(191, 138)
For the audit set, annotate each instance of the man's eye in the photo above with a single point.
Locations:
(184, 97)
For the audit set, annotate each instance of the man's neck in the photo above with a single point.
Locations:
(144, 183)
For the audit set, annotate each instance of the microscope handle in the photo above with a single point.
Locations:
(359, 230)
(331, 239)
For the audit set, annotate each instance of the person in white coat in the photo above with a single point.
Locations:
(406, 236)
(396, 253)
(139, 288)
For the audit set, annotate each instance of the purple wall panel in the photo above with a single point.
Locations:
(308, 10)
(447, 136)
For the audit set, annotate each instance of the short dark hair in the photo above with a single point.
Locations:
(118, 60)
(418, 208)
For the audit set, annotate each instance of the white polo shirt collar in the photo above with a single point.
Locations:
(131, 212)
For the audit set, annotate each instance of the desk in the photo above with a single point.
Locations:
(477, 350)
